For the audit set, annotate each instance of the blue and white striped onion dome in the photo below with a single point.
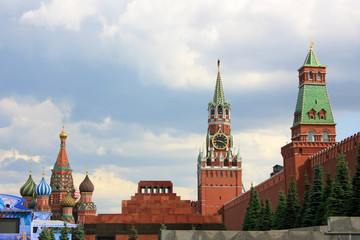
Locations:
(42, 189)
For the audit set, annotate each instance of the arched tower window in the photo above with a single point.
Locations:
(212, 112)
(325, 136)
(310, 75)
(318, 76)
(311, 136)
(220, 110)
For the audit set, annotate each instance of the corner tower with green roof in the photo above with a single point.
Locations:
(219, 167)
(313, 128)
(313, 117)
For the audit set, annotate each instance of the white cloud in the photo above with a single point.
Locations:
(185, 193)
(178, 44)
(260, 151)
(14, 155)
(32, 124)
(110, 187)
(101, 151)
(61, 13)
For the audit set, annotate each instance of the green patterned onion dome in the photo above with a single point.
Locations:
(86, 185)
(32, 203)
(68, 201)
(27, 190)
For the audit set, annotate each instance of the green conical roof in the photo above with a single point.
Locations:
(311, 59)
(313, 97)
(219, 97)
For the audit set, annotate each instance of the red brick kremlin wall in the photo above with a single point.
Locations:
(234, 211)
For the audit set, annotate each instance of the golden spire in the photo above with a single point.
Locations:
(30, 167)
(87, 169)
(311, 44)
(218, 65)
(43, 171)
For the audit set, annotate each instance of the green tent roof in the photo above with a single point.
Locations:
(313, 97)
(311, 59)
(219, 96)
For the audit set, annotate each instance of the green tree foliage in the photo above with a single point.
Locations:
(78, 234)
(45, 234)
(64, 233)
(253, 211)
(260, 220)
(339, 200)
(268, 216)
(279, 216)
(354, 209)
(292, 205)
(223, 227)
(52, 236)
(162, 227)
(305, 202)
(315, 198)
(133, 233)
(322, 212)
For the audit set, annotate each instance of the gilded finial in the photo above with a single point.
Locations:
(87, 169)
(63, 134)
(43, 172)
(30, 167)
(311, 44)
(218, 65)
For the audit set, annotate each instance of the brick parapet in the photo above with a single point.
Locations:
(327, 157)
(345, 146)
(234, 210)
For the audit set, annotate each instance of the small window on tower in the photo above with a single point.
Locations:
(322, 114)
(312, 114)
(310, 75)
(311, 136)
(220, 110)
(231, 174)
(325, 136)
(212, 112)
(318, 76)
(221, 174)
(211, 174)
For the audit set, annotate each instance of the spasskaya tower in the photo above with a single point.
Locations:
(219, 167)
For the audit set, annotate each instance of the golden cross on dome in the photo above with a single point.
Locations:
(218, 65)
(30, 167)
(43, 171)
(87, 169)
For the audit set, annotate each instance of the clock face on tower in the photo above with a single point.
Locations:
(220, 141)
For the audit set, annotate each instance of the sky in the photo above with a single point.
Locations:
(131, 80)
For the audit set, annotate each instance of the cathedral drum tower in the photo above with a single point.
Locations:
(219, 168)
(61, 179)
